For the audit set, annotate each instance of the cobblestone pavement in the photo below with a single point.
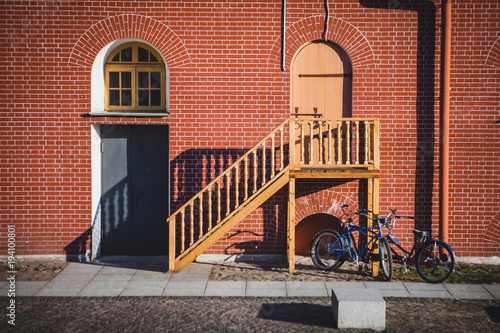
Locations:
(214, 314)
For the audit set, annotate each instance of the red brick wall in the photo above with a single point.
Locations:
(227, 92)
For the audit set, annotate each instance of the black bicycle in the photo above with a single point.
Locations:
(433, 258)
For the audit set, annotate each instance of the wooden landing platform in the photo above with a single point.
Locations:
(333, 172)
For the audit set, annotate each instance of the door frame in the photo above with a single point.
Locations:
(96, 187)
(96, 165)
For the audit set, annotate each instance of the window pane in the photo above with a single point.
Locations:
(143, 80)
(126, 80)
(126, 97)
(153, 58)
(114, 97)
(155, 97)
(114, 79)
(127, 54)
(155, 80)
(143, 97)
(143, 54)
(116, 57)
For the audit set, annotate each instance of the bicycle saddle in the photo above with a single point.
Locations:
(345, 219)
(421, 234)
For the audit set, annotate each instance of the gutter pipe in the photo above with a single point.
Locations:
(444, 142)
(283, 30)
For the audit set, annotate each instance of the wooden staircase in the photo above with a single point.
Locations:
(320, 148)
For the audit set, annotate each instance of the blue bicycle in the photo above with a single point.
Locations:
(330, 249)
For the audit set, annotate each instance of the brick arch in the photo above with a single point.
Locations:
(493, 57)
(339, 31)
(129, 26)
(492, 233)
(322, 202)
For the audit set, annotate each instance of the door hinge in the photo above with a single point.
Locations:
(102, 147)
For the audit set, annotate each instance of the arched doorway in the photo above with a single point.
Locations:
(321, 81)
(306, 229)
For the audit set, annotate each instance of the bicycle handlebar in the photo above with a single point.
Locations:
(404, 217)
(386, 221)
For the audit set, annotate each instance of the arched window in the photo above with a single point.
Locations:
(135, 79)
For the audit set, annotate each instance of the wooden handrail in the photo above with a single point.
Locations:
(333, 120)
(228, 170)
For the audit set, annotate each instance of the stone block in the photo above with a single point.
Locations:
(358, 308)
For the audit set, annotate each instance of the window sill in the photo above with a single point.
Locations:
(128, 114)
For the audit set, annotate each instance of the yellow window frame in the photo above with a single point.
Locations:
(134, 67)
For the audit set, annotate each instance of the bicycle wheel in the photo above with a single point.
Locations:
(324, 250)
(385, 258)
(435, 261)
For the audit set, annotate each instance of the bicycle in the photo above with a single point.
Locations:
(330, 250)
(433, 258)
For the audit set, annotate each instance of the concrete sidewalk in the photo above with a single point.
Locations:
(149, 279)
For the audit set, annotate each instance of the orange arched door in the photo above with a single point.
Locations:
(321, 80)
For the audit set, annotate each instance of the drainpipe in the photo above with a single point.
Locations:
(444, 130)
(283, 30)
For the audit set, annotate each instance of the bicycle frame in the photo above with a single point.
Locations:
(406, 258)
(372, 234)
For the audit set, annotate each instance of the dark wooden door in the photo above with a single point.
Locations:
(135, 187)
